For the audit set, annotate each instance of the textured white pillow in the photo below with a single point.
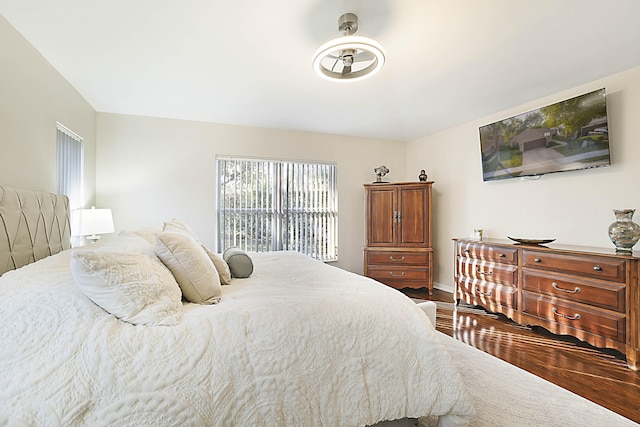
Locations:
(191, 266)
(132, 286)
(221, 266)
(125, 241)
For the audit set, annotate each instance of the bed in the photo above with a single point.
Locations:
(297, 343)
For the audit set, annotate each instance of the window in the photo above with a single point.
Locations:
(270, 205)
(70, 160)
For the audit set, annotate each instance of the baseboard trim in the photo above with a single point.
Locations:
(443, 287)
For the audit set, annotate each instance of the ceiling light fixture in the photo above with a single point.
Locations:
(350, 57)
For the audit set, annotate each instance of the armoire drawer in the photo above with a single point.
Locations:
(399, 258)
(606, 295)
(393, 272)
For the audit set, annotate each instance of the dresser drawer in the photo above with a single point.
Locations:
(480, 251)
(600, 294)
(488, 271)
(488, 292)
(611, 269)
(605, 323)
(399, 258)
(385, 273)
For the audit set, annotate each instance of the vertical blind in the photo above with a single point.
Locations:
(70, 160)
(268, 205)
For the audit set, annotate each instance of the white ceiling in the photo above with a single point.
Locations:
(249, 62)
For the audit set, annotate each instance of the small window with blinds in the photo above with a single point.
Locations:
(270, 205)
(70, 161)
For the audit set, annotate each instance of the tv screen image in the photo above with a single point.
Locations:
(568, 135)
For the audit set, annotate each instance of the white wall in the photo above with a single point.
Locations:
(150, 170)
(574, 207)
(33, 97)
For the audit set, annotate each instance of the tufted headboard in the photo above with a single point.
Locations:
(33, 225)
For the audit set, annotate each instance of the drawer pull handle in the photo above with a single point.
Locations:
(482, 273)
(487, 294)
(597, 268)
(392, 274)
(558, 288)
(396, 259)
(537, 260)
(502, 256)
(574, 317)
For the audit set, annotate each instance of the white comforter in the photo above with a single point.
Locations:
(297, 344)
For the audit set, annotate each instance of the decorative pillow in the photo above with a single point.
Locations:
(132, 286)
(191, 266)
(176, 225)
(221, 266)
(125, 241)
(239, 262)
(147, 233)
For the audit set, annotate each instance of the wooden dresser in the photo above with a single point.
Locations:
(589, 293)
(398, 249)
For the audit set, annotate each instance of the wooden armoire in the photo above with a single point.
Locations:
(398, 249)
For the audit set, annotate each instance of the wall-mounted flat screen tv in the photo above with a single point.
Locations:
(565, 136)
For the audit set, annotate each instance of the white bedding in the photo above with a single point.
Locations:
(299, 343)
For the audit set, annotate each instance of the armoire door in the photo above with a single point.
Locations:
(382, 208)
(413, 218)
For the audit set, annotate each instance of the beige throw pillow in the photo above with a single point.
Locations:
(221, 266)
(179, 226)
(191, 266)
(147, 233)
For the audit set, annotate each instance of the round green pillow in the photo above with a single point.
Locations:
(239, 262)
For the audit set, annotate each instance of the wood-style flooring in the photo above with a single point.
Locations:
(600, 376)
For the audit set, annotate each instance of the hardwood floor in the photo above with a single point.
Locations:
(600, 376)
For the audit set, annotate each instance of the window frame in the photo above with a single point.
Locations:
(70, 165)
(297, 196)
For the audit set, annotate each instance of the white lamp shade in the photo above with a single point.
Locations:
(92, 222)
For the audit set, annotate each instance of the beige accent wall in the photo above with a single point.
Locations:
(33, 97)
(573, 207)
(151, 170)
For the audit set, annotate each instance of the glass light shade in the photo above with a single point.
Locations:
(322, 61)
